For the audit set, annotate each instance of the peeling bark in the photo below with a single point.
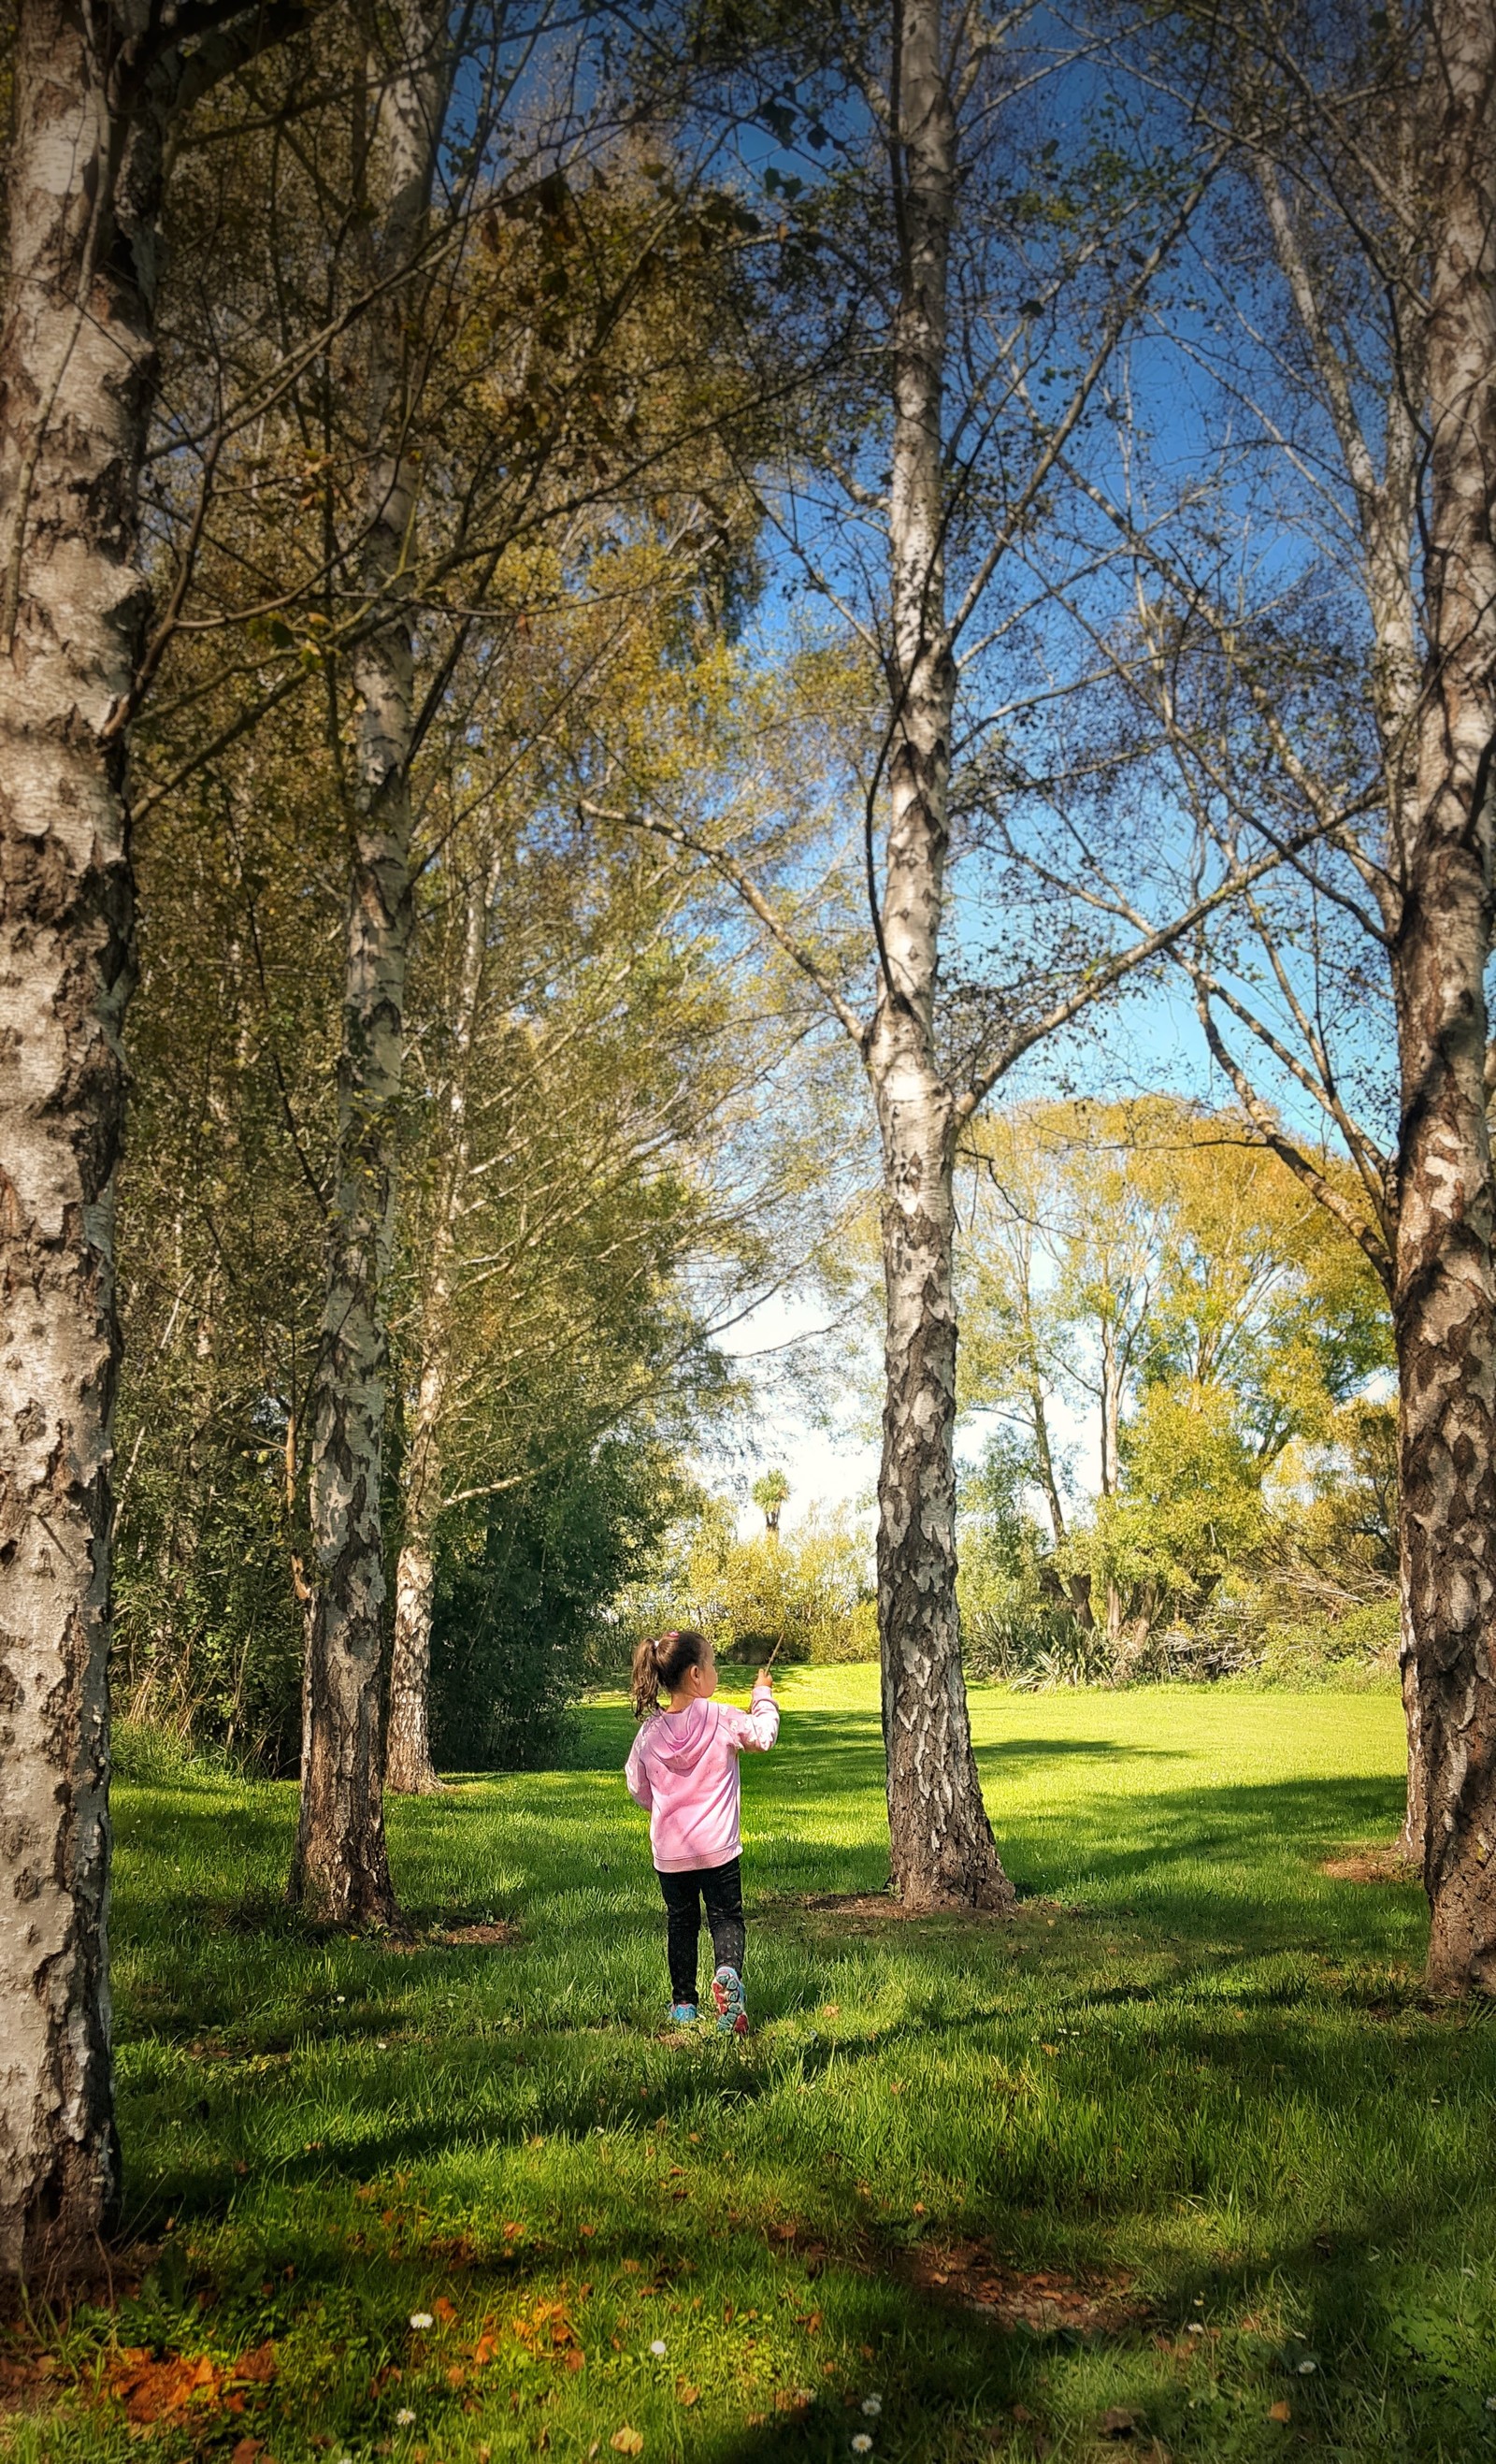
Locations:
(943, 1848)
(77, 367)
(1444, 1304)
(96, 87)
(340, 1871)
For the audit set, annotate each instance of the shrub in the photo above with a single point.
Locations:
(1359, 1649)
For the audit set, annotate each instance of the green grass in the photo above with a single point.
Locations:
(1206, 2074)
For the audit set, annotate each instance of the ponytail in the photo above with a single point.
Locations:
(662, 1660)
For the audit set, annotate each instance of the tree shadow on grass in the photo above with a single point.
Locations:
(1371, 2371)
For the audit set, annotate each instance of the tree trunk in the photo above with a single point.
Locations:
(1412, 1837)
(1077, 1587)
(1445, 1300)
(339, 1870)
(944, 1852)
(408, 1766)
(1038, 1420)
(76, 365)
(1110, 1482)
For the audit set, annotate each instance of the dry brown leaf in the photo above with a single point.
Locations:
(152, 2390)
(628, 2442)
(686, 2394)
(1282, 2411)
(257, 2366)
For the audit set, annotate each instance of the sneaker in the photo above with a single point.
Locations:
(727, 1992)
(682, 2013)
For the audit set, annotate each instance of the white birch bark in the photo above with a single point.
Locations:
(96, 88)
(1445, 1306)
(943, 1849)
(340, 1871)
(75, 356)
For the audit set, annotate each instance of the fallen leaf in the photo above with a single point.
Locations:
(686, 2394)
(549, 2323)
(246, 2451)
(1117, 2422)
(152, 2390)
(258, 2366)
(446, 2311)
(1282, 2411)
(628, 2442)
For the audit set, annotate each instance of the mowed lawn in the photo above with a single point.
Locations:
(1176, 2164)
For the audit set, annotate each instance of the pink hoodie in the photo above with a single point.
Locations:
(683, 1770)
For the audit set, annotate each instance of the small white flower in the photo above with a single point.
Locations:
(403, 2417)
(861, 2443)
(341, 1998)
(872, 2406)
(657, 2348)
(1194, 2327)
(1306, 2366)
(422, 2319)
(1491, 2404)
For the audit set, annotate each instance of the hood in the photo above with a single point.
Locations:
(679, 1739)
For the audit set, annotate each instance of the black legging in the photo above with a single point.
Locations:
(721, 1886)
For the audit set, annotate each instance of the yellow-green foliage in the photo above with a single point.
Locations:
(807, 1591)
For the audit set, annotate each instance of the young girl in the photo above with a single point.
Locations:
(683, 1769)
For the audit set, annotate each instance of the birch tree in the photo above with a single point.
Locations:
(98, 93)
(1368, 150)
(920, 535)
(465, 412)
(339, 1870)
